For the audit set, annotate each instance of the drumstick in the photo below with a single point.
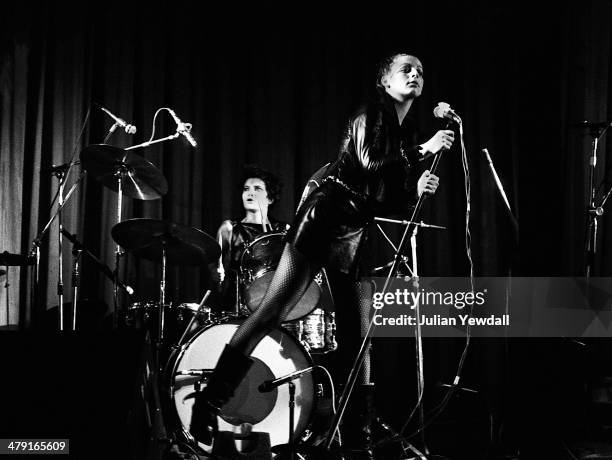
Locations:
(264, 217)
(194, 317)
(220, 268)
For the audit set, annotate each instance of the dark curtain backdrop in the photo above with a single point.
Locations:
(264, 87)
(274, 86)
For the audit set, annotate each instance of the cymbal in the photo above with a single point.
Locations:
(592, 124)
(6, 258)
(142, 179)
(184, 245)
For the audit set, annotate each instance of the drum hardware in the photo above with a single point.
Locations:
(184, 245)
(127, 174)
(61, 173)
(278, 354)
(196, 372)
(594, 210)
(77, 249)
(124, 172)
(316, 331)
(7, 260)
(6, 288)
(104, 269)
(267, 386)
(172, 243)
(193, 318)
(204, 374)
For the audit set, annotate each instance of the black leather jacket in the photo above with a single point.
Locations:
(377, 157)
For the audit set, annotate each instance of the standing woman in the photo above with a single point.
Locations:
(374, 175)
(260, 191)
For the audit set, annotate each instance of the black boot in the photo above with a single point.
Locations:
(231, 369)
(356, 426)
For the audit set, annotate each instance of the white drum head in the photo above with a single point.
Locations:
(278, 354)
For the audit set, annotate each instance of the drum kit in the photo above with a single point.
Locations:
(191, 336)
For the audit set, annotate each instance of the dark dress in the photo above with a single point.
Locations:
(242, 234)
(374, 175)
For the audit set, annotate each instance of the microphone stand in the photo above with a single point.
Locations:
(365, 344)
(146, 144)
(61, 172)
(77, 249)
(104, 269)
(593, 212)
(35, 250)
(290, 448)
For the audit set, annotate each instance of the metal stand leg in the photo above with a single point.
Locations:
(365, 344)
(6, 287)
(118, 253)
(593, 211)
(162, 299)
(60, 256)
(76, 280)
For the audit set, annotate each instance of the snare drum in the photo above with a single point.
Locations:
(316, 331)
(277, 354)
(258, 263)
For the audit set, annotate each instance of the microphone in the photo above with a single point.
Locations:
(130, 129)
(183, 128)
(270, 385)
(443, 110)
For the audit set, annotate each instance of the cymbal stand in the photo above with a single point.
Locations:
(121, 173)
(593, 211)
(162, 298)
(6, 287)
(60, 252)
(76, 281)
(58, 171)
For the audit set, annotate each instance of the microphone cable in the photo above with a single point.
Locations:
(437, 411)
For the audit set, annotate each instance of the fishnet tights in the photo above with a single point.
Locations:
(291, 279)
(353, 302)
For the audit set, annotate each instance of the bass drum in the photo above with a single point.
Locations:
(277, 354)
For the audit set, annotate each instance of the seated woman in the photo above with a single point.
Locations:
(260, 191)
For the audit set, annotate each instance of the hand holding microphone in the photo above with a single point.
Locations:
(444, 138)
